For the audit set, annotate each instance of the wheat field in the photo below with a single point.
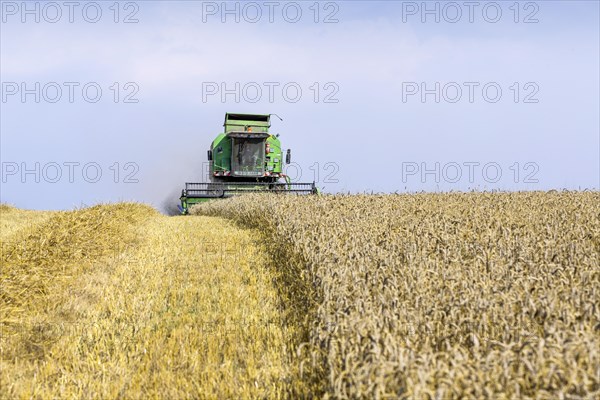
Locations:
(421, 296)
(435, 296)
(118, 301)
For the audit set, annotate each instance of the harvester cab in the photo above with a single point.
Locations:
(246, 150)
(244, 158)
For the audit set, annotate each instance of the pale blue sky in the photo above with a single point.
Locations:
(370, 139)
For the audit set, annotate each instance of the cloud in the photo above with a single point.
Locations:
(369, 132)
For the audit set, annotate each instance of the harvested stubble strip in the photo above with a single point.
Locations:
(188, 312)
(12, 220)
(39, 263)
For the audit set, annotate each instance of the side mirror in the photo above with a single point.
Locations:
(210, 155)
(288, 156)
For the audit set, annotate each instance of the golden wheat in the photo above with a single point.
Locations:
(474, 295)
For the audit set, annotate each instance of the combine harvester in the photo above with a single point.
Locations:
(245, 158)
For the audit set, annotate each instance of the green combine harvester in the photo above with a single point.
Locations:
(245, 158)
